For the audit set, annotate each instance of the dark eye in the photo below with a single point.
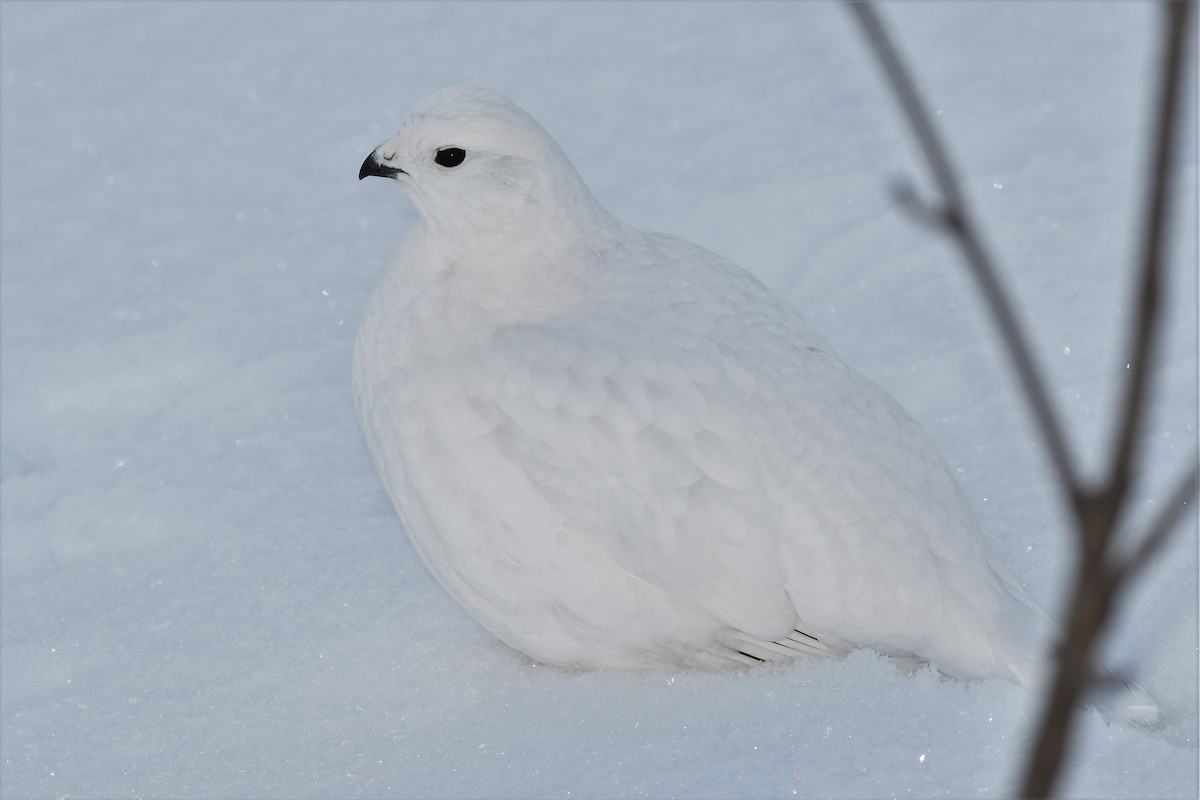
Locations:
(450, 156)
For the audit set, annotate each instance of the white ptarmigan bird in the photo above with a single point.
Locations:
(616, 448)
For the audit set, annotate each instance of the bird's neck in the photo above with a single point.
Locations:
(511, 273)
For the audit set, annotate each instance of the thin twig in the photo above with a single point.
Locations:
(1163, 525)
(921, 211)
(1098, 582)
(959, 224)
(1156, 213)
(1096, 511)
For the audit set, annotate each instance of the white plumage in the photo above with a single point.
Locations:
(616, 448)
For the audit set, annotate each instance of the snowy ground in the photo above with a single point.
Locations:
(204, 589)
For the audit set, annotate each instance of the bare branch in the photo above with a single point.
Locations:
(958, 224)
(910, 99)
(1163, 526)
(1096, 510)
(1156, 213)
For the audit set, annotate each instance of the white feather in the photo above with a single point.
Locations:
(616, 448)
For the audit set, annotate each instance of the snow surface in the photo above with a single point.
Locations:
(204, 590)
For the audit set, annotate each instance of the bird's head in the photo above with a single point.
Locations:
(474, 161)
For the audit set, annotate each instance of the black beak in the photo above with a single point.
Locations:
(373, 166)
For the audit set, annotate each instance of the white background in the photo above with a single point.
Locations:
(204, 589)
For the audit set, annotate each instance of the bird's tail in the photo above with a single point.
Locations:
(1117, 698)
(1121, 700)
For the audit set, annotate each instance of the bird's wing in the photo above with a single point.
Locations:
(640, 444)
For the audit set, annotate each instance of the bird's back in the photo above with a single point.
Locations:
(672, 454)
